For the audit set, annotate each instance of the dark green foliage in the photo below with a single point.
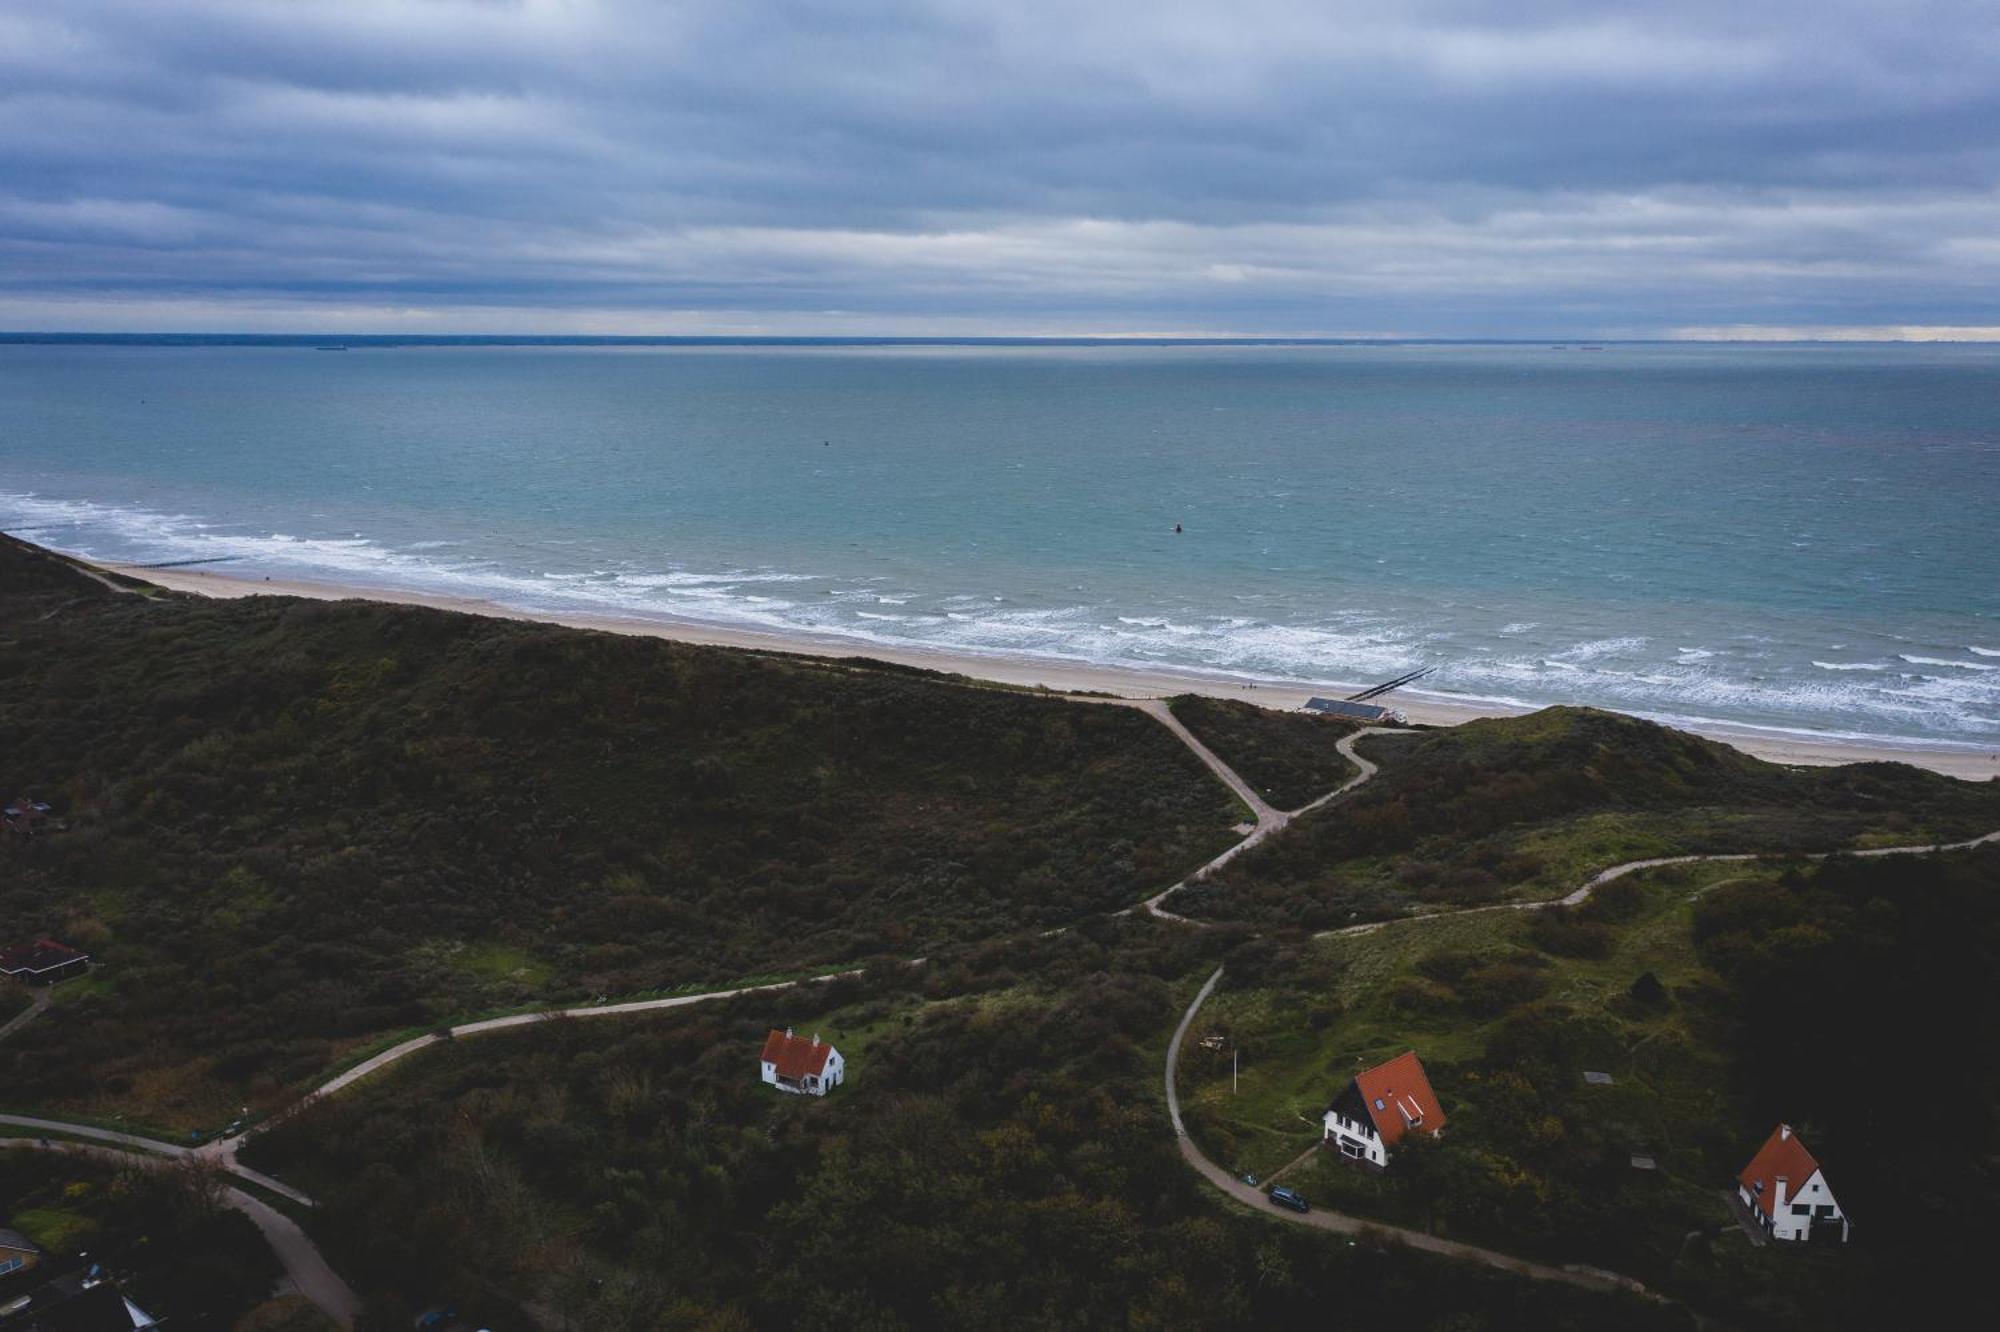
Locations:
(182, 1255)
(296, 825)
(1566, 933)
(1529, 806)
(1000, 1159)
(1863, 1012)
(1288, 757)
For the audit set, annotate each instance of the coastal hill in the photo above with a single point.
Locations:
(296, 827)
(1527, 808)
(292, 832)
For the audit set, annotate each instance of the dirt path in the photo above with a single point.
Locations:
(1602, 877)
(37, 1002)
(1270, 821)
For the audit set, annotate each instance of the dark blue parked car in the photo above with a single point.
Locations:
(1284, 1197)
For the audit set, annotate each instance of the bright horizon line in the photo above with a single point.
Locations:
(1914, 334)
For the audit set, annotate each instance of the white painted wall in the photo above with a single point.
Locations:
(1337, 1127)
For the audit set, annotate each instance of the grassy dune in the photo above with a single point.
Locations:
(1520, 808)
(296, 825)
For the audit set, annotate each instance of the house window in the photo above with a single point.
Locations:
(1379, 1105)
(1801, 1209)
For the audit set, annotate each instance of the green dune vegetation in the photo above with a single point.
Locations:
(998, 1158)
(179, 1250)
(295, 827)
(1289, 758)
(295, 831)
(1850, 998)
(1528, 808)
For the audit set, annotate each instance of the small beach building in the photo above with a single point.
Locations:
(43, 962)
(1380, 1107)
(1787, 1192)
(805, 1067)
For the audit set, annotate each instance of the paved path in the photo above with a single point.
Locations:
(38, 1001)
(307, 1270)
(1340, 1222)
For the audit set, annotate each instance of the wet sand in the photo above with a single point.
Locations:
(1065, 677)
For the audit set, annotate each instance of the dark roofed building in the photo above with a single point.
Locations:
(1345, 711)
(43, 962)
(25, 817)
(18, 1253)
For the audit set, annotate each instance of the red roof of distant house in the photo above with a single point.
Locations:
(796, 1056)
(1782, 1156)
(1398, 1097)
(41, 955)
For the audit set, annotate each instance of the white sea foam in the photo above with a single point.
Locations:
(1943, 661)
(1684, 685)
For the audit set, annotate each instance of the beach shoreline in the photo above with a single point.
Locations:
(1030, 672)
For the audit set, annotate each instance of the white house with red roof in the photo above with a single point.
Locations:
(1380, 1107)
(794, 1064)
(1787, 1192)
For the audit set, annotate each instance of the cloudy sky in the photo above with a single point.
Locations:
(1430, 167)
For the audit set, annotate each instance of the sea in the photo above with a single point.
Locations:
(1784, 539)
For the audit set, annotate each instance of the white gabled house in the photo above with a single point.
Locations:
(794, 1064)
(1374, 1111)
(1787, 1192)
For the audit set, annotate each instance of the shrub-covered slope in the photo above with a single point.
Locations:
(1530, 806)
(1287, 756)
(294, 825)
(998, 1158)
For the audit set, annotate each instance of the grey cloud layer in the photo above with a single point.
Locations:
(1445, 168)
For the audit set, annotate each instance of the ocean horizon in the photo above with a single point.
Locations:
(1787, 538)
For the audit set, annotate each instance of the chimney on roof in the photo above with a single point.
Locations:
(1784, 1132)
(788, 1033)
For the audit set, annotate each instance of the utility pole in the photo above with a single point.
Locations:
(1232, 1070)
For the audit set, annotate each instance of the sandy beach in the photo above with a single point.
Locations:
(1066, 677)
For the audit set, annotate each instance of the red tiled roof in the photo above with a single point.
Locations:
(1781, 1155)
(1405, 1096)
(40, 955)
(796, 1056)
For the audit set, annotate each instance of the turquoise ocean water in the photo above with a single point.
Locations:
(1800, 538)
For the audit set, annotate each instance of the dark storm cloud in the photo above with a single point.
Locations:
(1448, 168)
